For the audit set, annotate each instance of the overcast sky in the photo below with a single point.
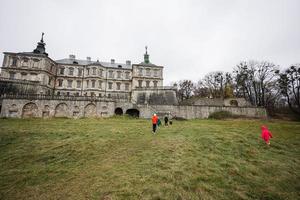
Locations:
(188, 37)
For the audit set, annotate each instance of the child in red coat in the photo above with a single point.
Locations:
(266, 134)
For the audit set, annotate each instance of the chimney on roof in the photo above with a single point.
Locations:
(112, 61)
(128, 62)
(88, 59)
(72, 57)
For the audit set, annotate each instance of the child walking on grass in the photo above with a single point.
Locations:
(266, 134)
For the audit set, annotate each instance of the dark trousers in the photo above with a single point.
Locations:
(154, 127)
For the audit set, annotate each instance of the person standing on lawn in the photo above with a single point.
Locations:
(266, 134)
(166, 120)
(158, 122)
(154, 123)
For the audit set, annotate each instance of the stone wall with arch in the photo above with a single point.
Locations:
(62, 110)
(90, 110)
(76, 109)
(30, 110)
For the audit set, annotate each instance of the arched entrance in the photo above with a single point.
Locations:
(90, 110)
(29, 110)
(133, 112)
(61, 110)
(118, 111)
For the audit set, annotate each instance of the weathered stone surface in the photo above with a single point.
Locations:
(75, 109)
(61, 110)
(30, 110)
(90, 110)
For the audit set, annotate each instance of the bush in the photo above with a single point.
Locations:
(221, 115)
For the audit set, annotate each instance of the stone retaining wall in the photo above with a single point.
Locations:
(22, 108)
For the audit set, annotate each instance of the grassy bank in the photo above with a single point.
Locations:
(119, 158)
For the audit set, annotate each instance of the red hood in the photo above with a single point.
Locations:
(263, 127)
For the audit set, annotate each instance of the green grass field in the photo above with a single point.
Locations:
(119, 158)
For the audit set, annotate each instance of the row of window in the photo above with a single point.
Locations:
(92, 94)
(92, 84)
(30, 77)
(24, 62)
(148, 72)
(24, 76)
(148, 83)
(93, 71)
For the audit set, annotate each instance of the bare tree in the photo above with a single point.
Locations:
(256, 81)
(200, 90)
(185, 89)
(289, 84)
(215, 85)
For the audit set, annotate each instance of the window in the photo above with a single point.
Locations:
(118, 86)
(35, 62)
(127, 75)
(155, 83)
(100, 84)
(148, 72)
(78, 84)
(110, 86)
(12, 75)
(25, 60)
(71, 71)
(100, 95)
(58, 93)
(140, 83)
(88, 71)
(76, 94)
(60, 82)
(33, 76)
(68, 93)
(156, 73)
(140, 71)
(119, 74)
(92, 94)
(108, 95)
(126, 86)
(14, 62)
(70, 83)
(62, 71)
(94, 70)
(147, 83)
(93, 83)
(87, 83)
(79, 72)
(23, 75)
(110, 74)
(100, 72)
(49, 81)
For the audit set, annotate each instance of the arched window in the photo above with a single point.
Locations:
(62, 71)
(71, 71)
(234, 102)
(148, 72)
(14, 61)
(140, 83)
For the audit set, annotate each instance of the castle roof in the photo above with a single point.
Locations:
(70, 61)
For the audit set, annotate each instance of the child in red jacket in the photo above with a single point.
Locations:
(266, 134)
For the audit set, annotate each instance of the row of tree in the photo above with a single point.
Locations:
(261, 83)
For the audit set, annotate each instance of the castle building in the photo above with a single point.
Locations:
(76, 77)
(34, 85)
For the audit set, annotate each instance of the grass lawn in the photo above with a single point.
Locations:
(119, 158)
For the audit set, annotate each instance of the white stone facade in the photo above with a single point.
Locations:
(72, 77)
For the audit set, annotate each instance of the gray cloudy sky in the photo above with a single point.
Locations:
(188, 37)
